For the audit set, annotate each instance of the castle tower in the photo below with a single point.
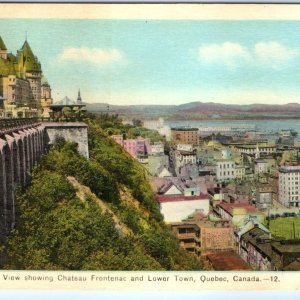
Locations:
(3, 49)
(45, 89)
(79, 100)
(46, 99)
(30, 69)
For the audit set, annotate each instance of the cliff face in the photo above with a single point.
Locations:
(96, 214)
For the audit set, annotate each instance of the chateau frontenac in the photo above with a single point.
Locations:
(24, 91)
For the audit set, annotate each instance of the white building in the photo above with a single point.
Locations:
(289, 186)
(254, 150)
(157, 148)
(240, 171)
(261, 166)
(184, 147)
(225, 170)
(176, 208)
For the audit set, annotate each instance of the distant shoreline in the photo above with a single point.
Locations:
(234, 119)
(186, 117)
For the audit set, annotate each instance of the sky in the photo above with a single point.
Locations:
(124, 62)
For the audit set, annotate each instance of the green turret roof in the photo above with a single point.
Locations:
(26, 59)
(11, 58)
(2, 45)
(7, 67)
(44, 81)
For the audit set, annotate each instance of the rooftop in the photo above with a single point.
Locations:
(230, 207)
(164, 188)
(2, 45)
(214, 224)
(259, 239)
(185, 152)
(184, 129)
(44, 81)
(180, 198)
(27, 59)
(293, 266)
(227, 261)
(289, 169)
(287, 246)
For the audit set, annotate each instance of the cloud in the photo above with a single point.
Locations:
(274, 54)
(231, 54)
(263, 54)
(91, 55)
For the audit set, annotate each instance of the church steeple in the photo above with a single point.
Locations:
(79, 100)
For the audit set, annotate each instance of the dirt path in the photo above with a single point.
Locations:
(83, 192)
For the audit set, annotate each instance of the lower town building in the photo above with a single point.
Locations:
(216, 235)
(204, 236)
(240, 171)
(285, 253)
(256, 249)
(185, 135)
(289, 186)
(182, 158)
(215, 194)
(237, 193)
(225, 170)
(260, 166)
(188, 236)
(264, 198)
(176, 208)
(238, 213)
(157, 163)
(138, 148)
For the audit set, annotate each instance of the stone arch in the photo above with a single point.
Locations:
(9, 207)
(38, 148)
(36, 145)
(22, 161)
(30, 152)
(33, 148)
(26, 157)
(16, 162)
(41, 140)
(3, 195)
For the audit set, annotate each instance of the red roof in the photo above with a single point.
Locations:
(177, 198)
(227, 261)
(230, 206)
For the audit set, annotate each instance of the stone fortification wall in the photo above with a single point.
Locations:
(21, 148)
(71, 131)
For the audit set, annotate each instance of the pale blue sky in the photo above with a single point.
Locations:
(165, 62)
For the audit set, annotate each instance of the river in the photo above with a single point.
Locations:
(261, 125)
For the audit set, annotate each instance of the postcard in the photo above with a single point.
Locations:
(149, 147)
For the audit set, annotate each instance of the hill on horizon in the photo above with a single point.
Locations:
(192, 108)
